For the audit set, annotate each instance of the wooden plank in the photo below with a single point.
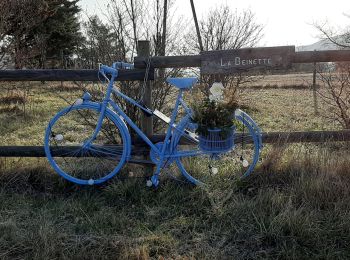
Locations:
(156, 62)
(38, 151)
(306, 137)
(275, 137)
(147, 121)
(140, 148)
(247, 59)
(169, 61)
(321, 56)
(69, 75)
(143, 50)
(195, 60)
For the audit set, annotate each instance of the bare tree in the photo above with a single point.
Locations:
(125, 19)
(335, 77)
(101, 45)
(335, 93)
(133, 20)
(339, 37)
(153, 20)
(223, 29)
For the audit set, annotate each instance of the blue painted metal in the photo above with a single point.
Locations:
(108, 70)
(155, 176)
(216, 141)
(117, 122)
(133, 125)
(122, 65)
(132, 101)
(241, 116)
(165, 151)
(182, 83)
(256, 134)
(86, 96)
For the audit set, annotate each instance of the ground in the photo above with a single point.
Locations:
(296, 204)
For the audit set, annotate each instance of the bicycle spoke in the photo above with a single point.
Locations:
(94, 159)
(217, 168)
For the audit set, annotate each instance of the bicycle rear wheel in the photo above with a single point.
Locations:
(218, 168)
(65, 144)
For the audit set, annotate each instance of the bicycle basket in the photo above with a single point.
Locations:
(217, 140)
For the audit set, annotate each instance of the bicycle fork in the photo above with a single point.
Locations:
(104, 105)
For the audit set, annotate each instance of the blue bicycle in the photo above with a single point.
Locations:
(89, 142)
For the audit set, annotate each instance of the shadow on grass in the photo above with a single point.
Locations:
(296, 205)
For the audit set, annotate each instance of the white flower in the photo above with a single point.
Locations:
(214, 98)
(216, 91)
(214, 170)
(217, 88)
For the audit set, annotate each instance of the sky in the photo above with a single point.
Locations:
(286, 22)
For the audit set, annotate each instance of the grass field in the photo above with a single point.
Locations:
(295, 206)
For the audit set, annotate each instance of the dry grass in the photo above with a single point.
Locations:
(286, 80)
(287, 110)
(295, 206)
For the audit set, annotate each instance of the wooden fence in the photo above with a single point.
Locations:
(138, 74)
(69, 75)
(140, 148)
(195, 60)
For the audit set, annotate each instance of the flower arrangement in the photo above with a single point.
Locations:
(214, 116)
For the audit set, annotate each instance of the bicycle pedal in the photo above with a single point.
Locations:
(214, 170)
(149, 183)
(155, 181)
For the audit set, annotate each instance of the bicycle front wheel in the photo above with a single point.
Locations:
(77, 158)
(212, 169)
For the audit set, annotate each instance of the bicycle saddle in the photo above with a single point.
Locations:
(182, 83)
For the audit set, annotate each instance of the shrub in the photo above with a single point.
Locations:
(215, 111)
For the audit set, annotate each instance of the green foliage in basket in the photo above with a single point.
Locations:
(210, 114)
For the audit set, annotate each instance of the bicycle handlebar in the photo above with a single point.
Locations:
(113, 71)
(108, 70)
(123, 65)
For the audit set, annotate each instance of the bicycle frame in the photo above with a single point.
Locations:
(107, 101)
(162, 153)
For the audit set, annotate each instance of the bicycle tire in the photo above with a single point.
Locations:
(199, 168)
(70, 128)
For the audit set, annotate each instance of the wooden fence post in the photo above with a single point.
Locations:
(143, 50)
(147, 122)
(314, 89)
(62, 64)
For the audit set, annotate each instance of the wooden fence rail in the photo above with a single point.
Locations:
(156, 62)
(172, 62)
(141, 149)
(195, 60)
(69, 75)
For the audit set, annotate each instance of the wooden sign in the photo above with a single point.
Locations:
(240, 60)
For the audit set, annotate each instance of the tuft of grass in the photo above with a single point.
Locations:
(296, 206)
(13, 99)
(301, 86)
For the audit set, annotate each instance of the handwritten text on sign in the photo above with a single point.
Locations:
(231, 61)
